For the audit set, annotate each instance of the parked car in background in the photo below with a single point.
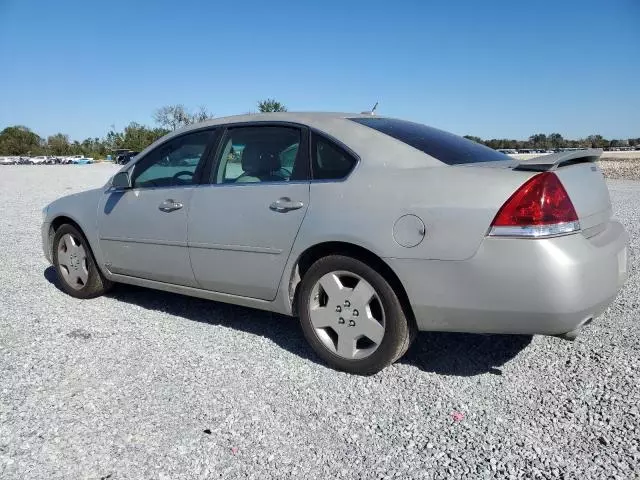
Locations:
(8, 160)
(39, 160)
(82, 161)
(77, 159)
(367, 228)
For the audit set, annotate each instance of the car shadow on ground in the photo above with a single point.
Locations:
(458, 354)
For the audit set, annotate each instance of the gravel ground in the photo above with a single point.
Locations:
(627, 168)
(143, 384)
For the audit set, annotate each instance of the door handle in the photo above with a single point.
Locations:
(169, 205)
(285, 204)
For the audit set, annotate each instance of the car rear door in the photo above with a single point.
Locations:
(143, 230)
(243, 223)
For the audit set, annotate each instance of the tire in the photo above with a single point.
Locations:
(324, 324)
(75, 265)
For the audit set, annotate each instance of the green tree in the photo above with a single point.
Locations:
(499, 143)
(58, 144)
(271, 105)
(556, 140)
(19, 140)
(75, 148)
(597, 141)
(539, 140)
(113, 140)
(137, 137)
(473, 138)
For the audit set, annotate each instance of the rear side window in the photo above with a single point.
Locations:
(330, 162)
(446, 147)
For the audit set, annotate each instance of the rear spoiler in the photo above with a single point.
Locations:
(553, 161)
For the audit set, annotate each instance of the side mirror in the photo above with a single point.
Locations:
(121, 181)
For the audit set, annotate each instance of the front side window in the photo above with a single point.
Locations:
(260, 155)
(173, 163)
(330, 162)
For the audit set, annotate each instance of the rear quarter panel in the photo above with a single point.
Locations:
(456, 205)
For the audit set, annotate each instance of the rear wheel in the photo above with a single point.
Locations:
(74, 263)
(351, 316)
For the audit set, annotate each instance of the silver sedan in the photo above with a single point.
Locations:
(367, 228)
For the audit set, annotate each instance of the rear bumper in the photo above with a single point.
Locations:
(517, 286)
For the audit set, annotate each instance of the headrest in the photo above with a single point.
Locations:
(258, 160)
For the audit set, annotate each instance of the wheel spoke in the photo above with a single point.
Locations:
(370, 328)
(322, 317)
(83, 274)
(362, 294)
(63, 257)
(332, 286)
(346, 344)
(65, 271)
(68, 243)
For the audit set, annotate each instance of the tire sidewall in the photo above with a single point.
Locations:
(93, 280)
(396, 328)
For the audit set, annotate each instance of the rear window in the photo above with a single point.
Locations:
(329, 162)
(446, 147)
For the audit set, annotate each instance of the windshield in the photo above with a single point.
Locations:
(446, 147)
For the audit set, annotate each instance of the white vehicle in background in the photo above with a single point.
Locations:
(39, 160)
(8, 160)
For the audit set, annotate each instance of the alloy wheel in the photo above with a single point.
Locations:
(347, 315)
(72, 261)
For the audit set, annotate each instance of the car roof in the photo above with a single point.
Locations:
(311, 119)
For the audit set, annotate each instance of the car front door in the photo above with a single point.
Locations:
(243, 223)
(143, 230)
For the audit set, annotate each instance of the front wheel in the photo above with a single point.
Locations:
(351, 316)
(79, 275)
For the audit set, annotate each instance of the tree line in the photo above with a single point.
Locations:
(20, 140)
(553, 141)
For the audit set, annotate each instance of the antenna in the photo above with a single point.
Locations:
(372, 111)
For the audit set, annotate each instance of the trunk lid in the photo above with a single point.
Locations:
(587, 189)
(582, 179)
(584, 182)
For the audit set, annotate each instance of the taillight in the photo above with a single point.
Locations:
(539, 208)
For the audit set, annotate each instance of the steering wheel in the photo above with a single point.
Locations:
(179, 174)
